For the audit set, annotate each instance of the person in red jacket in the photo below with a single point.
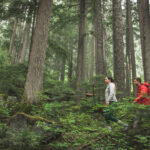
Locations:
(142, 98)
(142, 92)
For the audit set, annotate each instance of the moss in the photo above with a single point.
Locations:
(31, 119)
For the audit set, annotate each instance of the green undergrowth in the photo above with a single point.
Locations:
(82, 125)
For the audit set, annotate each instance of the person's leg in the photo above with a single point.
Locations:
(114, 118)
(137, 118)
(108, 126)
(108, 115)
(146, 113)
(112, 108)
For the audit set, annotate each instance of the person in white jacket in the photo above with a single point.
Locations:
(110, 100)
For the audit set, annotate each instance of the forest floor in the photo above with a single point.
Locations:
(75, 126)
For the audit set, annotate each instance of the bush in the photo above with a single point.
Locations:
(12, 79)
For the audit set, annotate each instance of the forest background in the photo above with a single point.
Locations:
(54, 56)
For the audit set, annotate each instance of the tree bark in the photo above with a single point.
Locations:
(33, 22)
(80, 72)
(12, 40)
(130, 53)
(23, 51)
(12, 49)
(17, 42)
(144, 17)
(92, 52)
(70, 65)
(34, 80)
(119, 73)
(99, 55)
(63, 69)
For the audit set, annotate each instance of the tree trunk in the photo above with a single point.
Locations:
(119, 73)
(23, 51)
(12, 49)
(70, 66)
(80, 72)
(63, 69)
(92, 52)
(33, 23)
(130, 58)
(128, 49)
(99, 55)
(17, 42)
(128, 66)
(86, 57)
(12, 40)
(141, 24)
(34, 80)
(144, 18)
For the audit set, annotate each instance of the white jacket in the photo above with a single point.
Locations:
(110, 93)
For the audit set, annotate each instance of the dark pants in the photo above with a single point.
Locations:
(141, 113)
(109, 112)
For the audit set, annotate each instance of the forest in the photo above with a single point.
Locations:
(55, 56)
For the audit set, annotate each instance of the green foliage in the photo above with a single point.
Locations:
(12, 79)
(4, 58)
(25, 139)
(55, 89)
(80, 124)
(20, 107)
(4, 113)
(15, 8)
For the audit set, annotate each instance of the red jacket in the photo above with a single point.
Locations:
(142, 93)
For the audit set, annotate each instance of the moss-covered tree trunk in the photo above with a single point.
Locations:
(34, 79)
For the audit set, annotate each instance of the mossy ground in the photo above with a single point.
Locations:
(83, 125)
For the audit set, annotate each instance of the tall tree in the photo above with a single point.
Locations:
(70, 61)
(144, 19)
(119, 73)
(130, 53)
(63, 69)
(12, 40)
(24, 45)
(99, 55)
(34, 80)
(92, 52)
(17, 42)
(80, 72)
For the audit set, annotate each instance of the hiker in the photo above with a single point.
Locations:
(110, 99)
(142, 98)
(142, 92)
